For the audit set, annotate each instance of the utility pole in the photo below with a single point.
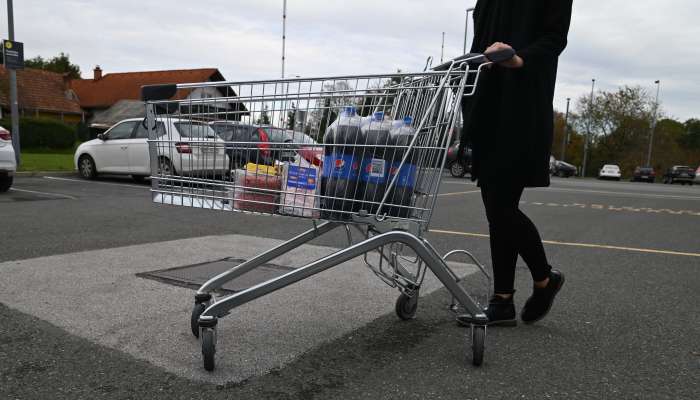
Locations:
(14, 106)
(442, 52)
(588, 131)
(565, 139)
(653, 124)
(284, 34)
(466, 29)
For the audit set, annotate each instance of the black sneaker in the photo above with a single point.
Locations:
(501, 312)
(539, 304)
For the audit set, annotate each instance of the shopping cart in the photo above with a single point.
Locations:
(285, 154)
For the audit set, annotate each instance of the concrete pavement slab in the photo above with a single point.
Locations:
(97, 295)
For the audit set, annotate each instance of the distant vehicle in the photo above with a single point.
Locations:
(259, 144)
(191, 147)
(679, 174)
(644, 174)
(610, 171)
(8, 165)
(458, 168)
(563, 169)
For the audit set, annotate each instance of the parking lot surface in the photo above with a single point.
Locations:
(79, 323)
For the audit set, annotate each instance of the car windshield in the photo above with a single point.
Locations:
(195, 130)
(225, 132)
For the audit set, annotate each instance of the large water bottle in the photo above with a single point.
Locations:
(375, 165)
(401, 195)
(341, 165)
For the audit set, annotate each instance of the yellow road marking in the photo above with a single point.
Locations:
(458, 193)
(585, 245)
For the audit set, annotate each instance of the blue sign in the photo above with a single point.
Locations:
(301, 178)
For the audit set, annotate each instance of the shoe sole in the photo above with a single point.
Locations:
(549, 307)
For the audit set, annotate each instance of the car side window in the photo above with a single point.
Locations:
(142, 133)
(122, 131)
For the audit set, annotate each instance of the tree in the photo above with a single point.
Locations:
(60, 64)
(264, 118)
(291, 117)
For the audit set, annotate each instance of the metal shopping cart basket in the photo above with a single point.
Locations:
(361, 153)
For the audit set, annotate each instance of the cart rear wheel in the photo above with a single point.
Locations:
(406, 306)
(208, 348)
(478, 339)
(194, 319)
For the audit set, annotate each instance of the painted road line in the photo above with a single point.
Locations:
(602, 207)
(584, 245)
(54, 178)
(58, 195)
(458, 193)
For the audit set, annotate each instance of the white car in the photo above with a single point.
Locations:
(8, 165)
(610, 172)
(185, 147)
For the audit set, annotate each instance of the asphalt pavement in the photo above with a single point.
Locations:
(625, 325)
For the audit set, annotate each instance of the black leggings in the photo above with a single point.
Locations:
(512, 233)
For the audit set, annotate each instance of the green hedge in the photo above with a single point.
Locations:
(43, 133)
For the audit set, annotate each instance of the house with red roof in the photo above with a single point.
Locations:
(41, 94)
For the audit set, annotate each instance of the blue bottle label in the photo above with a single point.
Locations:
(341, 166)
(407, 174)
(374, 170)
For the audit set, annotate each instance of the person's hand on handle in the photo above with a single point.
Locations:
(515, 62)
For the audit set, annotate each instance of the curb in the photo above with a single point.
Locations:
(44, 173)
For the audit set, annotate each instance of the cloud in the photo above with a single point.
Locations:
(618, 42)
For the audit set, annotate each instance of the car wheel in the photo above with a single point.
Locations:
(86, 167)
(561, 174)
(457, 170)
(5, 183)
(165, 167)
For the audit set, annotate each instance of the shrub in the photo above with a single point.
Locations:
(44, 133)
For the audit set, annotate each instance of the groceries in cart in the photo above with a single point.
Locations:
(257, 188)
(300, 191)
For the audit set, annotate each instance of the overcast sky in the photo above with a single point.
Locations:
(616, 41)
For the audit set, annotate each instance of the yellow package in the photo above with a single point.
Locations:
(261, 169)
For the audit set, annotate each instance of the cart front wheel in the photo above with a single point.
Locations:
(208, 348)
(406, 306)
(194, 319)
(478, 339)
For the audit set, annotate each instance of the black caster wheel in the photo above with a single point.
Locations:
(194, 319)
(208, 348)
(478, 338)
(406, 306)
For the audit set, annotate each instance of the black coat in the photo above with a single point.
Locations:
(509, 122)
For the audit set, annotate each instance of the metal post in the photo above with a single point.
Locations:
(466, 30)
(653, 124)
(565, 139)
(14, 105)
(442, 52)
(284, 34)
(588, 132)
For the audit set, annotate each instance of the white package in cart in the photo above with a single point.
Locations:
(300, 191)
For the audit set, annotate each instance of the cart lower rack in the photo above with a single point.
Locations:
(360, 153)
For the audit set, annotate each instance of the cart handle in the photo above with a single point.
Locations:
(478, 58)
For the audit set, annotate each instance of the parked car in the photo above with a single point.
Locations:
(563, 169)
(697, 175)
(644, 174)
(679, 174)
(610, 171)
(8, 165)
(259, 144)
(190, 147)
(458, 168)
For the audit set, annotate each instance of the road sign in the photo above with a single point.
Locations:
(13, 54)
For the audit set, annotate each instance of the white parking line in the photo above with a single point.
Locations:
(95, 182)
(458, 193)
(59, 195)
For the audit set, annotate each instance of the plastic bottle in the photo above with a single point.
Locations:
(375, 165)
(401, 195)
(341, 165)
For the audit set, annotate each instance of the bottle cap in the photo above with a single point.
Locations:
(408, 120)
(349, 110)
(378, 116)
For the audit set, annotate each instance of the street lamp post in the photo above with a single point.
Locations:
(284, 34)
(14, 105)
(588, 132)
(565, 139)
(466, 29)
(653, 124)
(442, 51)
